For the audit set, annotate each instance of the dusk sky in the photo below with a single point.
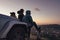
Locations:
(43, 11)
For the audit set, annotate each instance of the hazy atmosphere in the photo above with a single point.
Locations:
(43, 11)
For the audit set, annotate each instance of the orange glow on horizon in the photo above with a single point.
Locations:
(47, 21)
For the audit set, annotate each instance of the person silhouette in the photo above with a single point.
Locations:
(28, 19)
(12, 14)
(20, 14)
(20, 17)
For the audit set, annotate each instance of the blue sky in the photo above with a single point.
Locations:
(43, 11)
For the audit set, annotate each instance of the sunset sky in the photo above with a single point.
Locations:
(43, 11)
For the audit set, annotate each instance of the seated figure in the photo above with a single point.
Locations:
(28, 19)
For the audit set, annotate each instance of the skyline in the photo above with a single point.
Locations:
(43, 11)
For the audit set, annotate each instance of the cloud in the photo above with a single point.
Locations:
(37, 9)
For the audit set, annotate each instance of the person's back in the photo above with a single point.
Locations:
(20, 14)
(28, 19)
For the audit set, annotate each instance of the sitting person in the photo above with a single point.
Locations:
(28, 19)
(12, 14)
(20, 14)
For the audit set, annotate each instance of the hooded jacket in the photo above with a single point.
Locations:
(28, 19)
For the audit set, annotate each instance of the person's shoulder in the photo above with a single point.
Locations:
(24, 16)
(31, 16)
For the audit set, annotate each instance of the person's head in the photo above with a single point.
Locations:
(12, 14)
(21, 11)
(28, 12)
